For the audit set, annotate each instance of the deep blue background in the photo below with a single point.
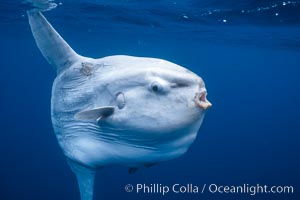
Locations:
(251, 68)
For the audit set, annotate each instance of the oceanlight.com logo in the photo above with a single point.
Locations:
(157, 188)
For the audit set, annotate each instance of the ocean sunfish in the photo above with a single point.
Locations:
(118, 110)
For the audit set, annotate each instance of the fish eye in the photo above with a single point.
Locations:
(156, 87)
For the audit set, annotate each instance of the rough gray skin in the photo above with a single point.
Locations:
(118, 110)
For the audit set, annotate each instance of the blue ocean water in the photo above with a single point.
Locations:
(248, 53)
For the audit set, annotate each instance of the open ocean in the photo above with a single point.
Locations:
(247, 52)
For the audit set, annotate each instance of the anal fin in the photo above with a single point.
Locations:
(85, 178)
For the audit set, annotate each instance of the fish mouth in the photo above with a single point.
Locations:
(201, 100)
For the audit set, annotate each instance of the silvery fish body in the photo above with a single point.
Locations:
(118, 110)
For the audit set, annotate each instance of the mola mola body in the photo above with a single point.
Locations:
(118, 110)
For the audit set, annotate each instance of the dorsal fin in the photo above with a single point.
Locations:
(53, 47)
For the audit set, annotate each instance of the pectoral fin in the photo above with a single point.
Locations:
(95, 114)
